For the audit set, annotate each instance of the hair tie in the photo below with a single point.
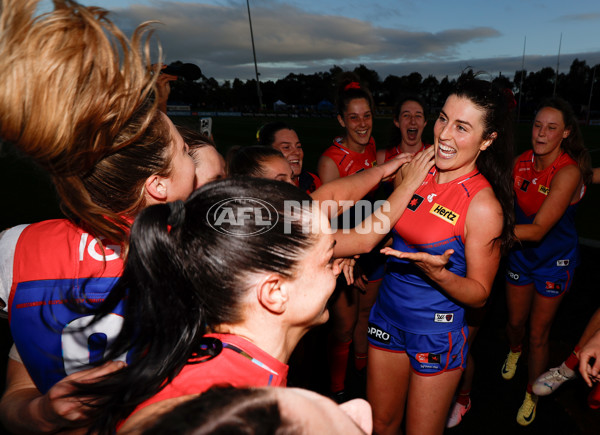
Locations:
(352, 85)
(177, 213)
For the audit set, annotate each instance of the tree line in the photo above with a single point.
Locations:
(303, 92)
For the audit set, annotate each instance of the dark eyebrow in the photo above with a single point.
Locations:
(458, 120)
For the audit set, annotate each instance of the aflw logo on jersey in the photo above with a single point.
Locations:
(444, 213)
(543, 190)
(444, 318)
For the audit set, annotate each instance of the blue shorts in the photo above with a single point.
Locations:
(549, 282)
(429, 354)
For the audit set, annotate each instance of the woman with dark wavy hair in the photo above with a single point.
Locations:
(444, 257)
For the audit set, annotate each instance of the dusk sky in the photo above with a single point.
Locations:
(392, 37)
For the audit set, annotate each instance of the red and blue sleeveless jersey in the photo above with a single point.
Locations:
(559, 247)
(350, 162)
(58, 271)
(407, 298)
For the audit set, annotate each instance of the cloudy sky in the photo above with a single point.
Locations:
(390, 36)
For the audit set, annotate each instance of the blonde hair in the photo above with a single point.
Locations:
(78, 96)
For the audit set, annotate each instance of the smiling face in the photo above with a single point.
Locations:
(287, 142)
(277, 168)
(358, 122)
(548, 133)
(411, 122)
(315, 280)
(458, 138)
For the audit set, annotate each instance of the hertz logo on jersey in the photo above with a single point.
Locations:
(544, 190)
(444, 213)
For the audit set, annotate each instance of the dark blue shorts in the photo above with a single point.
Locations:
(549, 282)
(429, 354)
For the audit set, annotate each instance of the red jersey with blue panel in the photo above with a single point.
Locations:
(559, 248)
(239, 364)
(56, 264)
(407, 298)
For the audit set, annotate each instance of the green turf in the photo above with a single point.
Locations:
(29, 196)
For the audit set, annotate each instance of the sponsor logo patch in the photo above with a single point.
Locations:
(444, 318)
(444, 213)
(521, 183)
(552, 286)
(415, 202)
(512, 275)
(543, 190)
(378, 334)
(428, 358)
(562, 263)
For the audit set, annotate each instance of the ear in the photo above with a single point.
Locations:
(566, 133)
(341, 121)
(486, 143)
(396, 123)
(156, 188)
(272, 293)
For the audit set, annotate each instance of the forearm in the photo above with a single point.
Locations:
(530, 232)
(375, 227)
(351, 188)
(462, 289)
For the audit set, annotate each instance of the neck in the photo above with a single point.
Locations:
(352, 146)
(271, 337)
(412, 149)
(442, 177)
(541, 162)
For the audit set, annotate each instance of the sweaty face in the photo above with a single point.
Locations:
(358, 122)
(458, 138)
(287, 142)
(411, 122)
(548, 132)
(318, 414)
(277, 168)
(181, 179)
(210, 165)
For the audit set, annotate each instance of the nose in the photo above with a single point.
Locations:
(542, 131)
(443, 130)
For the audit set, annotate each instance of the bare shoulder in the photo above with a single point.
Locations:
(485, 212)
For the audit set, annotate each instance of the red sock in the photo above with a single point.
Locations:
(517, 348)
(463, 397)
(573, 361)
(594, 397)
(530, 388)
(338, 363)
(360, 360)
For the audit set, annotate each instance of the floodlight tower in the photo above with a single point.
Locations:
(258, 92)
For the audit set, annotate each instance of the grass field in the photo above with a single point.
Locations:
(29, 196)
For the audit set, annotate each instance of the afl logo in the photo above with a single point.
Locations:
(242, 216)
